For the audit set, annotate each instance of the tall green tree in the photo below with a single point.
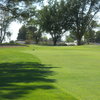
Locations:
(6, 16)
(51, 20)
(11, 10)
(83, 12)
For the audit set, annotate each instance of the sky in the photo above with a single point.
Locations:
(14, 29)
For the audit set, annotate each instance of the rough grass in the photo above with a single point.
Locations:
(50, 73)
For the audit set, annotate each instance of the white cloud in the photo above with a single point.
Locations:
(14, 29)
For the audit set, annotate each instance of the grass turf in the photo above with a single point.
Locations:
(50, 73)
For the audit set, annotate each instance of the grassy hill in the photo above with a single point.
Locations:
(50, 73)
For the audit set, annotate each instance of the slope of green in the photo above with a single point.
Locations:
(24, 77)
(78, 71)
(50, 73)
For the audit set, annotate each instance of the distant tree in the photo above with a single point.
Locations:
(72, 35)
(35, 33)
(22, 33)
(12, 42)
(90, 34)
(44, 40)
(69, 39)
(30, 33)
(83, 12)
(97, 37)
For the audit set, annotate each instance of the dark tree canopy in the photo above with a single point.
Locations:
(22, 33)
(51, 20)
(83, 13)
(74, 15)
(29, 33)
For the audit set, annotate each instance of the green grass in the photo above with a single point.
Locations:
(50, 73)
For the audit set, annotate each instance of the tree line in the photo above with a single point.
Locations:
(56, 18)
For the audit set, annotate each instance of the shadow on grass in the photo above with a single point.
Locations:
(17, 79)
